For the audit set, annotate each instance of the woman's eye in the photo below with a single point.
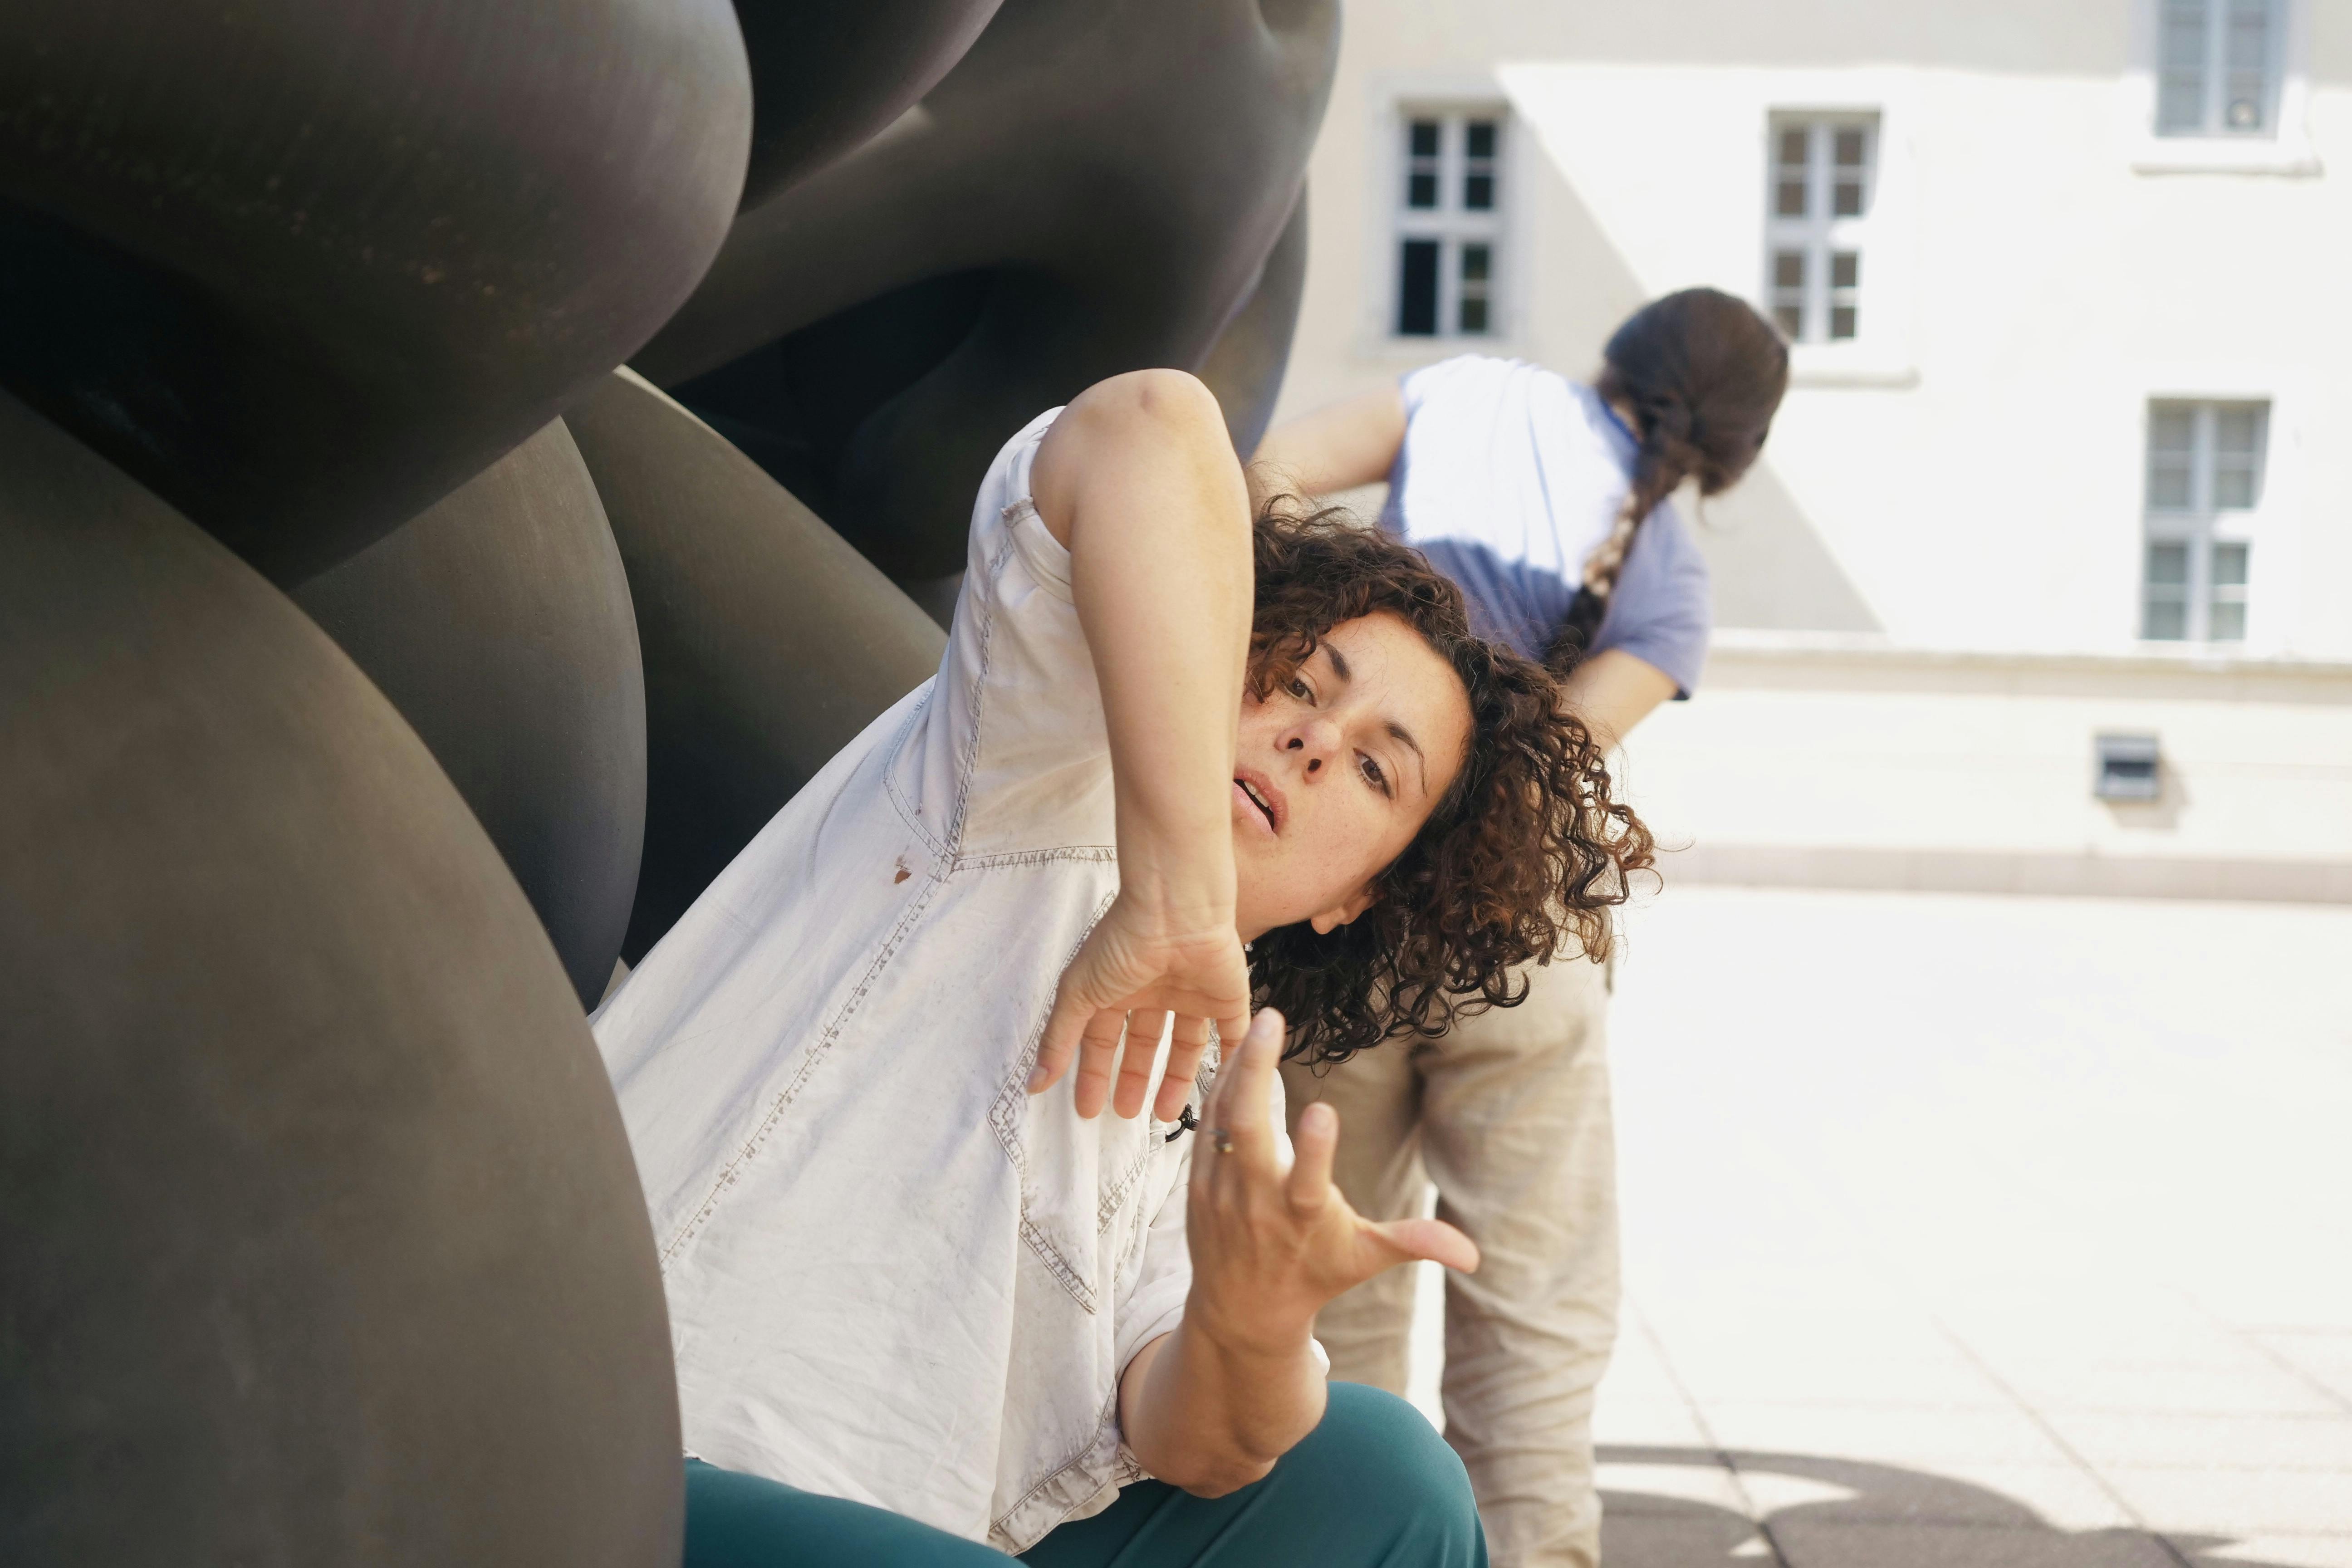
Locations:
(1299, 690)
(1372, 775)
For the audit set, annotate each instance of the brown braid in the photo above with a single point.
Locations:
(1703, 375)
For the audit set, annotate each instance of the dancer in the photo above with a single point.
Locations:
(919, 1289)
(1546, 501)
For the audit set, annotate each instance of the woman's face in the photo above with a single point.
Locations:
(1337, 770)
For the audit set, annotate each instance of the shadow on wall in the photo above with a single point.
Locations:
(1672, 1508)
(1771, 568)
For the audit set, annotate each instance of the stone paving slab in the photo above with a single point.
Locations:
(1973, 1231)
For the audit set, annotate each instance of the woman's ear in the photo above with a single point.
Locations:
(1343, 913)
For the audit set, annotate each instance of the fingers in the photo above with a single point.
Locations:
(1316, 1142)
(1098, 1056)
(1059, 1043)
(1144, 1029)
(1248, 1109)
(1432, 1238)
(1189, 1043)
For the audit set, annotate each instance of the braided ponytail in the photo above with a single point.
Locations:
(1703, 375)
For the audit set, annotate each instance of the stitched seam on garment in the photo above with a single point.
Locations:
(1056, 1264)
(898, 801)
(1004, 1120)
(976, 707)
(1106, 1421)
(733, 1169)
(1101, 854)
(1115, 1195)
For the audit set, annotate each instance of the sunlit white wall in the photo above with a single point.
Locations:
(1971, 469)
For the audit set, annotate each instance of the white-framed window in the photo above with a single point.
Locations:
(1448, 237)
(2219, 87)
(1822, 189)
(2218, 66)
(2205, 463)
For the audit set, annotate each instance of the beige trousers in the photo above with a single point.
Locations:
(1509, 1117)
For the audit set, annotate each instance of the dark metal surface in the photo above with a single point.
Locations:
(1093, 188)
(768, 643)
(826, 78)
(304, 268)
(500, 625)
(323, 1241)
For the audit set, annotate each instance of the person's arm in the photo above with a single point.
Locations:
(1336, 447)
(1211, 1406)
(1138, 478)
(1612, 692)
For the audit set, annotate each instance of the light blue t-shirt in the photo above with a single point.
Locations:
(1510, 476)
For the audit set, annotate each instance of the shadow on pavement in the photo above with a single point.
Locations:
(1681, 1508)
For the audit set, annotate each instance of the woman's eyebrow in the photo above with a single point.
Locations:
(1404, 735)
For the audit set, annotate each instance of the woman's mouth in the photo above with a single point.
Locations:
(1260, 795)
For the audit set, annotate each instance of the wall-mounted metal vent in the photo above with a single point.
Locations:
(2126, 767)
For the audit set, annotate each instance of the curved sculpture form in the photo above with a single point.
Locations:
(1096, 186)
(769, 644)
(826, 77)
(324, 1245)
(500, 625)
(301, 269)
(1244, 369)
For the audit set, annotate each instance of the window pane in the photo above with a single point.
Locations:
(1421, 189)
(1476, 261)
(2230, 565)
(2233, 485)
(1841, 321)
(1474, 316)
(2168, 484)
(1847, 199)
(2246, 85)
(1789, 269)
(1793, 146)
(1790, 320)
(1421, 139)
(2171, 428)
(1482, 139)
(1417, 290)
(1790, 200)
(1849, 148)
(2237, 430)
(2164, 620)
(2180, 69)
(2227, 622)
(1478, 193)
(1846, 270)
(2168, 564)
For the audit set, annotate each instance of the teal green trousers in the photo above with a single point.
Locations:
(1371, 1486)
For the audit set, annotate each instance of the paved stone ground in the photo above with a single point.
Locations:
(1981, 1233)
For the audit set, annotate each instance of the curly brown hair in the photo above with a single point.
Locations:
(1520, 861)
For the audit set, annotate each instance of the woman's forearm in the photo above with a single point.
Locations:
(1336, 447)
(1612, 692)
(1212, 1418)
(1138, 478)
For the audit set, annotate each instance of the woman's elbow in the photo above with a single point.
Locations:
(1216, 1478)
(1167, 401)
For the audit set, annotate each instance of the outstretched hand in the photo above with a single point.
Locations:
(1136, 969)
(1272, 1244)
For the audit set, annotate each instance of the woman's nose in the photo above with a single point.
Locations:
(1319, 739)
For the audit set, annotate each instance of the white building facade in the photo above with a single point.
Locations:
(2044, 581)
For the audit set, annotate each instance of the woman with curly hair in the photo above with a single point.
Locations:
(1546, 500)
(1174, 766)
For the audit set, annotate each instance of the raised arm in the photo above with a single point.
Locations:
(1336, 447)
(1138, 478)
(1212, 1404)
